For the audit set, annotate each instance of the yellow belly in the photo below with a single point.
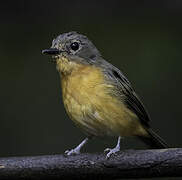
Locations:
(93, 109)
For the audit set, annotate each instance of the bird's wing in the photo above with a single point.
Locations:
(123, 86)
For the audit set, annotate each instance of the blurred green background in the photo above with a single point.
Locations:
(142, 38)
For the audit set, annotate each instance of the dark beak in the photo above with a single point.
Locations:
(51, 51)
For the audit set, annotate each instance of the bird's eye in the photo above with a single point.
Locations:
(74, 46)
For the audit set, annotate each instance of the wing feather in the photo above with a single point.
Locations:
(123, 87)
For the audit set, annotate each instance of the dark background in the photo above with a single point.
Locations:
(142, 38)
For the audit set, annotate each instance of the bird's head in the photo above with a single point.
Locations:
(73, 47)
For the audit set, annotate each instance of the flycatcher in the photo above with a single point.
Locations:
(98, 98)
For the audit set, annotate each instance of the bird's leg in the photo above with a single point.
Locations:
(77, 149)
(114, 150)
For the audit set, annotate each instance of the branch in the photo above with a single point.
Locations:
(127, 164)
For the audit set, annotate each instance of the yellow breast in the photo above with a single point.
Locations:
(79, 89)
(90, 106)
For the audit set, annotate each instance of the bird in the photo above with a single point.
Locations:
(97, 96)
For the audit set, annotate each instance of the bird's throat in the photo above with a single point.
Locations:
(65, 66)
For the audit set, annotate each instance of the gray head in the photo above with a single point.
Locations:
(72, 45)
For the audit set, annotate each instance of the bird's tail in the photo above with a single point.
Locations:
(154, 140)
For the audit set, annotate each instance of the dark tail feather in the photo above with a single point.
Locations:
(154, 140)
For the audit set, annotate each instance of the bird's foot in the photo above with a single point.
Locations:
(76, 150)
(72, 152)
(111, 151)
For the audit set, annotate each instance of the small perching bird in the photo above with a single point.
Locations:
(98, 98)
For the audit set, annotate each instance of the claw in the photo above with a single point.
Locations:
(66, 152)
(76, 150)
(107, 149)
(72, 152)
(112, 152)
